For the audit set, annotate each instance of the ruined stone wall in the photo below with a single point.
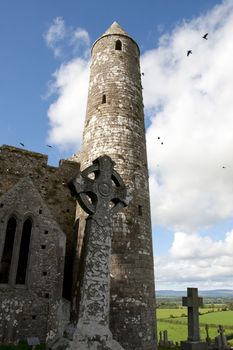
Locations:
(29, 188)
(115, 126)
(51, 182)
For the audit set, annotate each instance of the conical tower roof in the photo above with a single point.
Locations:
(115, 28)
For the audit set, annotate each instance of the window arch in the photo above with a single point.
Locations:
(118, 45)
(8, 250)
(24, 252)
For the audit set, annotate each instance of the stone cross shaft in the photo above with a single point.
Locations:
(193, 302)
(100, 197)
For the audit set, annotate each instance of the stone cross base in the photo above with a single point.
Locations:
(96, 345)
(65, 344)
(87, 337)
(193, 345)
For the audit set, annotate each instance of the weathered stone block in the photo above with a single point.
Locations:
(188, 345)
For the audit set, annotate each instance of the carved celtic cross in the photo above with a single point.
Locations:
(103, 195)
(100, 195)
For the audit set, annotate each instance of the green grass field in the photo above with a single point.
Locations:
(166, 313)
(177, 326)
(223, 317)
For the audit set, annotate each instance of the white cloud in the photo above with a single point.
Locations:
(55, 34)
(67, 41)
(81, 34)
(67, 113)
(189, 100)
(195, 246)
(195, 261)
(69, 84)
(81, 42)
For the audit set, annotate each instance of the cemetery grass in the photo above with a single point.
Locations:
(171, 320)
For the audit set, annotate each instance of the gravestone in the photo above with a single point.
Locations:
(165, 338)
(160, 338)
(33, 341)
(221, 340)
(193, 302)
(100, 197)
(208, 339)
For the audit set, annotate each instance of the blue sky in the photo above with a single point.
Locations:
(27, 64)
(189, 208)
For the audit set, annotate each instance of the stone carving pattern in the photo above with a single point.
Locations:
(100, 198)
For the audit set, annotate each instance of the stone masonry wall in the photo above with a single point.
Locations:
(29, 188)
(115, 126)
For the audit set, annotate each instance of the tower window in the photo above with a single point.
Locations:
(118, 45)
(104, 98)
(7, 251)
(24, 252)
(139, 210)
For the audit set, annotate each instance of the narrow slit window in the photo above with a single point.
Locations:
(104, 98)
(139, 210)
(118, 45)
(7, 251)
(24, 252)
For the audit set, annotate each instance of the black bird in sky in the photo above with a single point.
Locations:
(205, 36)
(22, 144)
(142, 73)
(158, 137)
(189, 52)
(161, 143)
(49, 146)
(223, 167)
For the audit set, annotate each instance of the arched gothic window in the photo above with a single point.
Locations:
(24, 252)
(118, 45)
(7, 250)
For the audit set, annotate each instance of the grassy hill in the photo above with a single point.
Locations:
(175, 322)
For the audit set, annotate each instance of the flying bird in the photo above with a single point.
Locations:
(142, 73)
(205, 36)
(49, 146)
(189, 52)
(158, 137)
(22, 144)
(161, 143)
(223, 167)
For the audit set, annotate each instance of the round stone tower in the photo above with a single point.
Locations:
(115, 126)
